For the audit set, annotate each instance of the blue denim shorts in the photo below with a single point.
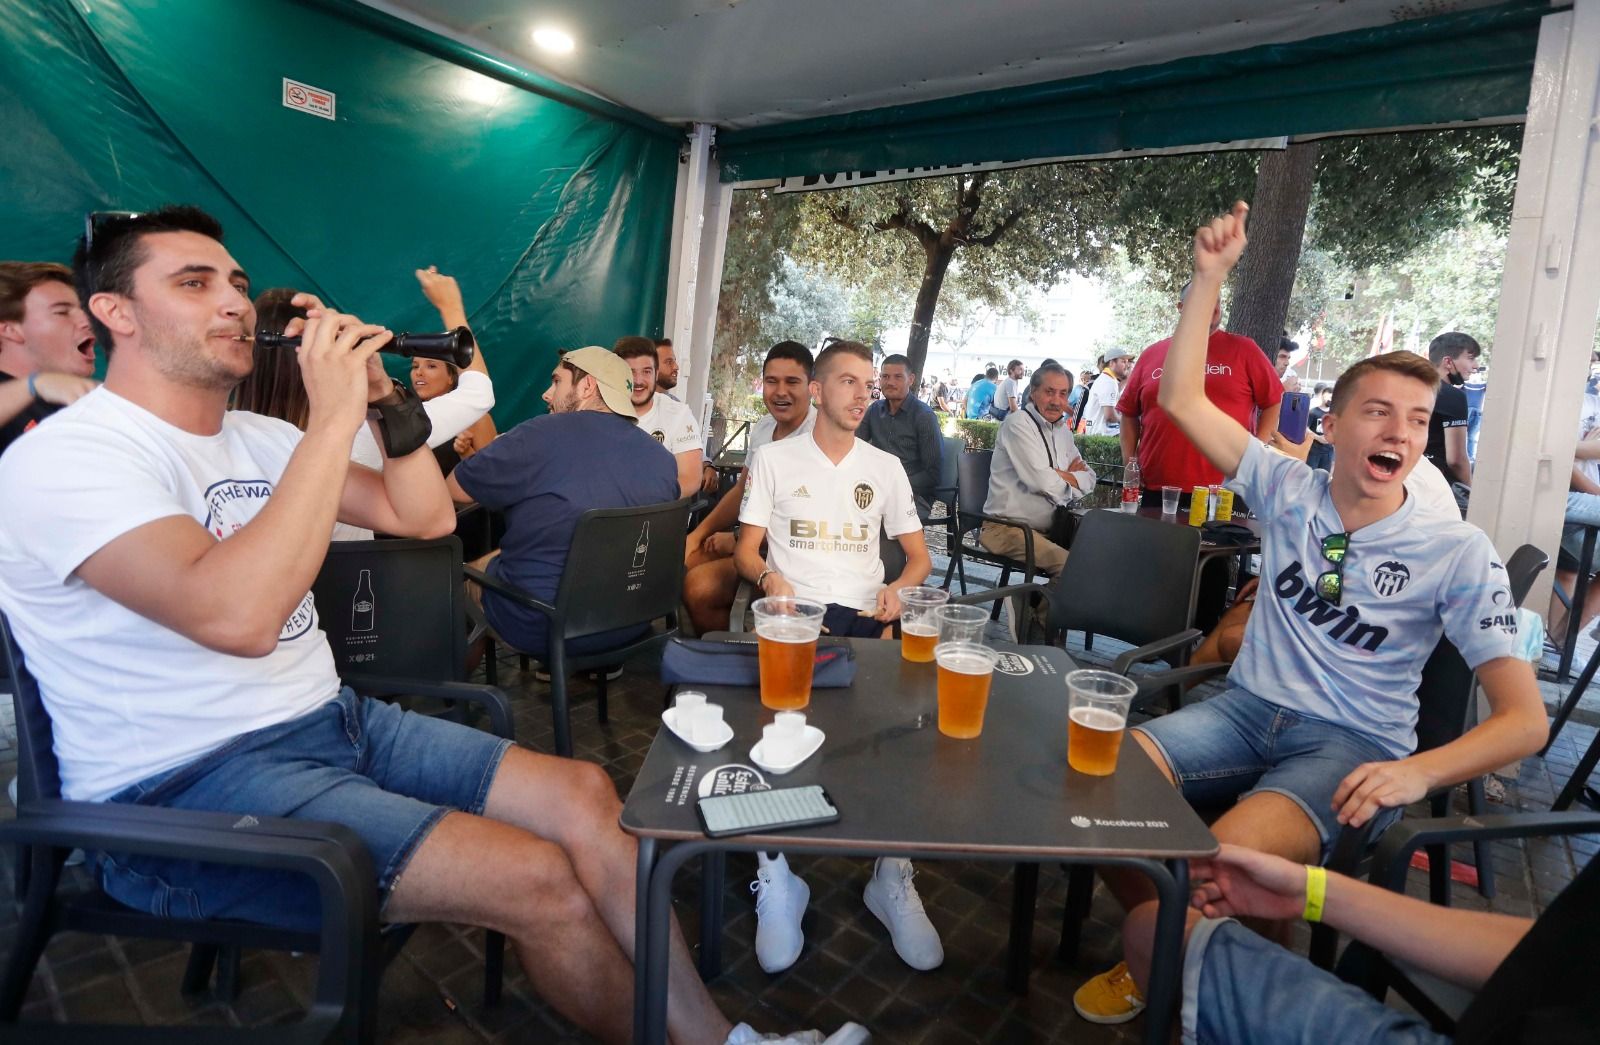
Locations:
(389, 775)
(1236, 744)
(1240, 989)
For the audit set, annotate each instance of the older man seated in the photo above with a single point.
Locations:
(1036, 469)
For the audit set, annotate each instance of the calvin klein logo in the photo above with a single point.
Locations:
(1344, 625)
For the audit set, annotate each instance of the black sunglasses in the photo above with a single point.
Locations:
(1330, 586)
(96, 222)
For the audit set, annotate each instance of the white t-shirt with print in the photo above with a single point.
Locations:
(671, 424)
(762, 432)
(1358, 663)
(127, 697)
(1103, 393)
(823, 520)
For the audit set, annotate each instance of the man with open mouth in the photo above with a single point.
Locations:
(1317, 730)
(46, 345)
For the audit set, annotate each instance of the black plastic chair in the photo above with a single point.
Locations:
(351, 952)
(1441, 1004)
(1129, 578)
(624, 568)
(395, 615)
(947, 493)
(972, 482)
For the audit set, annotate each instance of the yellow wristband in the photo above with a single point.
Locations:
(1316, 892)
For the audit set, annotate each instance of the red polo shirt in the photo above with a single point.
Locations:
(1239, 380)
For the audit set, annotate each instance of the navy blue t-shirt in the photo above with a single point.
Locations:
(542, 475)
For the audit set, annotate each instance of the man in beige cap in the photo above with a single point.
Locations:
(549, 470)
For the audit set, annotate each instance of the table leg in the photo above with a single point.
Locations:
(641, 933)
(713, 876)
(1580, 589)
(651, 963)
(1024, 895)
(1172, 885)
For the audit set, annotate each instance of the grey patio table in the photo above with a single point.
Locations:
(905, 789)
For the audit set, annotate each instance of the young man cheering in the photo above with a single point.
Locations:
(1318, 727)
(820, 502)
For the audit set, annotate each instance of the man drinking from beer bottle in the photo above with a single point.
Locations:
(820, 501)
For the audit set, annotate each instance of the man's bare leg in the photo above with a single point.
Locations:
(479, 872)
(1267, 821)
(708, 592)
(575, 805)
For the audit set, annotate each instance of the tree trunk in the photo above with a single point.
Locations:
(1277, 228)
(939, 254)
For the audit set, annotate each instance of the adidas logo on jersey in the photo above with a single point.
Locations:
(800, 491)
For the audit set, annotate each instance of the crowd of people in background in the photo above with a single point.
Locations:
(182, 509)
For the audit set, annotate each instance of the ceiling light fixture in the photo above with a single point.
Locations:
(556, 41)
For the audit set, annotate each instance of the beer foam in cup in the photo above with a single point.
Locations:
(787, 629)
(1102, 719)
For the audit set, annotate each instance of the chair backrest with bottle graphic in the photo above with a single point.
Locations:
(394, 608)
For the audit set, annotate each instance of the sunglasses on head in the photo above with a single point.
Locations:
(1330, 585)
(96, 222)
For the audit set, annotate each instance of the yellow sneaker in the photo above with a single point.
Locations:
(1111, 997)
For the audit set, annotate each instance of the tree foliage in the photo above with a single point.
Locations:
(1379, 204)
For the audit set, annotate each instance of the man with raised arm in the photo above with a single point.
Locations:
(821, 503)
(156, 556)
(1317, 729)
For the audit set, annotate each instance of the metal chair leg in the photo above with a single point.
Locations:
(1574, 695)
(1477, 803)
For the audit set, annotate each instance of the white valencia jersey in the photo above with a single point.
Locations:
(671, 424)
(823, 520)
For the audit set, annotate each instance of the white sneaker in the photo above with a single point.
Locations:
(849, 1034)
(892, 896)
(781, 899)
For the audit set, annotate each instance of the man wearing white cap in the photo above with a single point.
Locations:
(1100, 406)
(547, 471)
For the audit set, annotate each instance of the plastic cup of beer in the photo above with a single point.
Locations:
(961, 623)
(965, 671)
(919, 631)
(1097, 716)
(1169, 499)
(786, 638)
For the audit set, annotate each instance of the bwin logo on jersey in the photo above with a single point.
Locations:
(863, 495)
(1390, 578)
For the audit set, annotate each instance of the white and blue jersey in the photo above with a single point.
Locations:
(1358, 664)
